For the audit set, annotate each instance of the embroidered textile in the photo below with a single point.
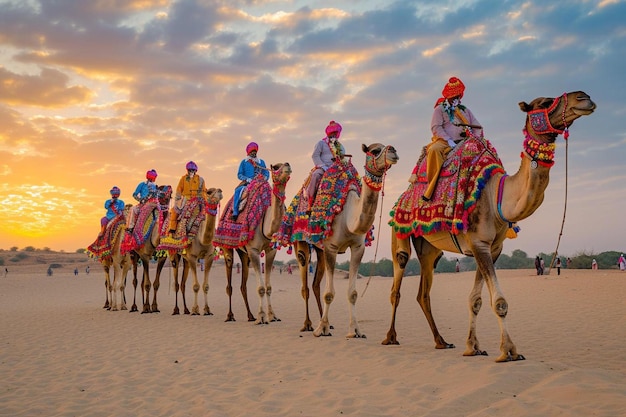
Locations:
(463, 176)
(189, 220)
(236, 234)
(147, 218)
(102, 248)
(331, 196)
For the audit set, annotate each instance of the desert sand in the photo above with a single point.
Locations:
(62, 354)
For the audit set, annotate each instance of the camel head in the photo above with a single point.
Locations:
(549, 117)
(280, 173)
(164, 194)
(379, 158)
(214, 195)
(127, 208)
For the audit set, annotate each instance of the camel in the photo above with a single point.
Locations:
(503, 201)
(201, 247)
(250, 253)
(146, 251)
(349, 229)
(110, 256)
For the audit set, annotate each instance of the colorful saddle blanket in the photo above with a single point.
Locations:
(102, 248)
(235, 234)
(189, 220)
(149, 216)
(314, 227)
(463, 176)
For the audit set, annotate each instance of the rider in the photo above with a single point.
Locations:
(190, 186)
(451, 123)
(326, 151)
(145, 191)
(114, 207)
(250, 167)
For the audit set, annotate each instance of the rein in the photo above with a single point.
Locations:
(378, 186)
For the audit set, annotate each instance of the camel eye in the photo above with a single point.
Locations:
(546, 104)
(375, 152)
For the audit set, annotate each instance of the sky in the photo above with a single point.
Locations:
(95, 93)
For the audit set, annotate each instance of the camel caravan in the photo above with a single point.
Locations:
(468, 205)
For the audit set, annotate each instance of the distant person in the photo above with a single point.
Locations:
(49, 271)
(87, 270)
(457, 267)
(538, 265)
(543, 266)
(75, 271)
(558, 266)
(6, 271)
(621, 263)
(568, 263)
(594, 264)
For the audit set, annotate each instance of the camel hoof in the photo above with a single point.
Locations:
(208, 313)
(307, 328)
(511, 358)
(445, 346)
(387, 342)
(476, 352)
(230, 319)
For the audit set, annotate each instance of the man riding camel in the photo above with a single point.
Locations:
(190, 186)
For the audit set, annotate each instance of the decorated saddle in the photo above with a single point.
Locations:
(150, 216)
(189, 220)
(462, 178)
(102, 248)
(237, 233)
(314, 227)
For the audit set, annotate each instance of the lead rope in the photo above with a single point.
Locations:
(380, 217)
(565, 136)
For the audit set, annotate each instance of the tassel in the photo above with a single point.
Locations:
(512, 231)
(289, 250)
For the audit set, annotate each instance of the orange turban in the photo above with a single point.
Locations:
(454, 88)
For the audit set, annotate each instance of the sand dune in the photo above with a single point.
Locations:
(63, 355)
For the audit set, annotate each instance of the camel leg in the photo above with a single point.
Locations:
(255, 260)
(146, 285)
(124, 268)
(499, 305)
(270, 254)
(192, 261)
(117, 278)
(330, 255)
(475, 303)
(183, 284)
(245, 269)
(157, 284)
(401, 252)
(319, 275)
(429, 256)
(175, 260)
(356, 254)
(108, 288)
(133, 308)
(303, 256)
(208, 263)
(228, 262)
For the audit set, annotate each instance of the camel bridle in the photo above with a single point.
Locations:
(540, 119)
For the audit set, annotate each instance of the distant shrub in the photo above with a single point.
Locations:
(19, 256)
(29, 249)
(56, 266)
(2, 261)
(81, 250)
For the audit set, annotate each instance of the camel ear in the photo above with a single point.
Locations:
(364, 147)
(525, 107)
